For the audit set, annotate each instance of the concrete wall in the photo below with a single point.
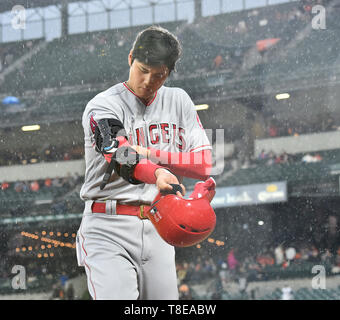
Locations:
(299, 144)
(42, 170)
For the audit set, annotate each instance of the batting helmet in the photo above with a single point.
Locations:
(184, 222)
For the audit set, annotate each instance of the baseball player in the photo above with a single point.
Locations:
(141, 138)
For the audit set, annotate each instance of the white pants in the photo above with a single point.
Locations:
(125, 258)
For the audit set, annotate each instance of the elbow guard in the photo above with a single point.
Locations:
(111, 139)
(106, 133)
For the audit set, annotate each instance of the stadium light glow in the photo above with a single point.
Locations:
(33, 127)
(202, 107)
(282, 96)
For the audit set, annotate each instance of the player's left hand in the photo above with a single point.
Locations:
(164, 180)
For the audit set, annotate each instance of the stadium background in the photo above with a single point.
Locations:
(269, 72)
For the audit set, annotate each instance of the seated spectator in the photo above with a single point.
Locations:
(263, 155)
(270, 158)
(317, 157)
(327, 257)
(254, 270)
(218, 61)
(290, 254)
(308, 158)
(34, 186)
(279, 255)
(33, 157)
(66, 156)
(4, 185)
(314, 254)
(56, 182)
(209, 268)
(223, 274)
(273, 130)
(232, 261)
(265, 259)
(287, 293)
(48, 182)
(185, 292)
(19, 186)
(282, 158)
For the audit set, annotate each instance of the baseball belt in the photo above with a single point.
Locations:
(122, 209)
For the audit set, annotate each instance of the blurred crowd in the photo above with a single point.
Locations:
(36, 185)
(49, 154)
(271, 157)
(325, 122)
(18, 196)
(231, 268)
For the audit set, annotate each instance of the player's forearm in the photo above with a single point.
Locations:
(195, 165)
(145, 171)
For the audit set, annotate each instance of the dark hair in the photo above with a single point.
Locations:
(155, 46)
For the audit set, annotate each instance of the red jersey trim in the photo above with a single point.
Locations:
(138, 97)
(153, 99)
(206, 145)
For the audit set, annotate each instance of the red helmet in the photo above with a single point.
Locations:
(185, 222)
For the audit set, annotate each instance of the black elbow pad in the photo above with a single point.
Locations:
(124, 159)
(106, 132)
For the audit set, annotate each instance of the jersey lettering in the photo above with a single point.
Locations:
(154, 138)
(181, 146)
(162, 133)
(174, 135)
(165, 132)
(140, 137)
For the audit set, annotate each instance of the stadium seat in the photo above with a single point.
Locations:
(78, 59)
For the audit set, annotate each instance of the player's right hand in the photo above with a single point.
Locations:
(164, 180)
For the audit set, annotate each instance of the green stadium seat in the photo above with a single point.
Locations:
(70, 61)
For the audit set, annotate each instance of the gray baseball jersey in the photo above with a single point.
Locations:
(115, 249)
(170, 123)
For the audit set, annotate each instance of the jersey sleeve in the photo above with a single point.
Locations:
(99, 108)
(196, 135)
